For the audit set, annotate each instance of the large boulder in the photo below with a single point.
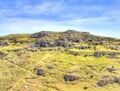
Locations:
(71, 77)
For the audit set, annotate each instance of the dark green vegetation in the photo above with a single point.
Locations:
(59, 61)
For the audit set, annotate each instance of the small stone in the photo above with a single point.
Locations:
(40, 71)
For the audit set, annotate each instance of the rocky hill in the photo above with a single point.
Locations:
(59, 61)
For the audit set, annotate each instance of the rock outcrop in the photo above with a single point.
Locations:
(3, 44)
(44, 43)
(68, 38)
(63, 42)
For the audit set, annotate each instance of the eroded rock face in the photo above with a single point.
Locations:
(71, 77)
(73, 36)
(62, 42)
(69, 38)
(43, 34)
(44, 43)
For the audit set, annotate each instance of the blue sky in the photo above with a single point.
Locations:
(100, 17)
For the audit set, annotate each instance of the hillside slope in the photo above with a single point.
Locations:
(59, 61)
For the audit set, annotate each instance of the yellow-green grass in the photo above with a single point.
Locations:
(17, 68)
(63, 63)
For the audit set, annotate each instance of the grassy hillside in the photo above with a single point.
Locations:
(88, 64)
